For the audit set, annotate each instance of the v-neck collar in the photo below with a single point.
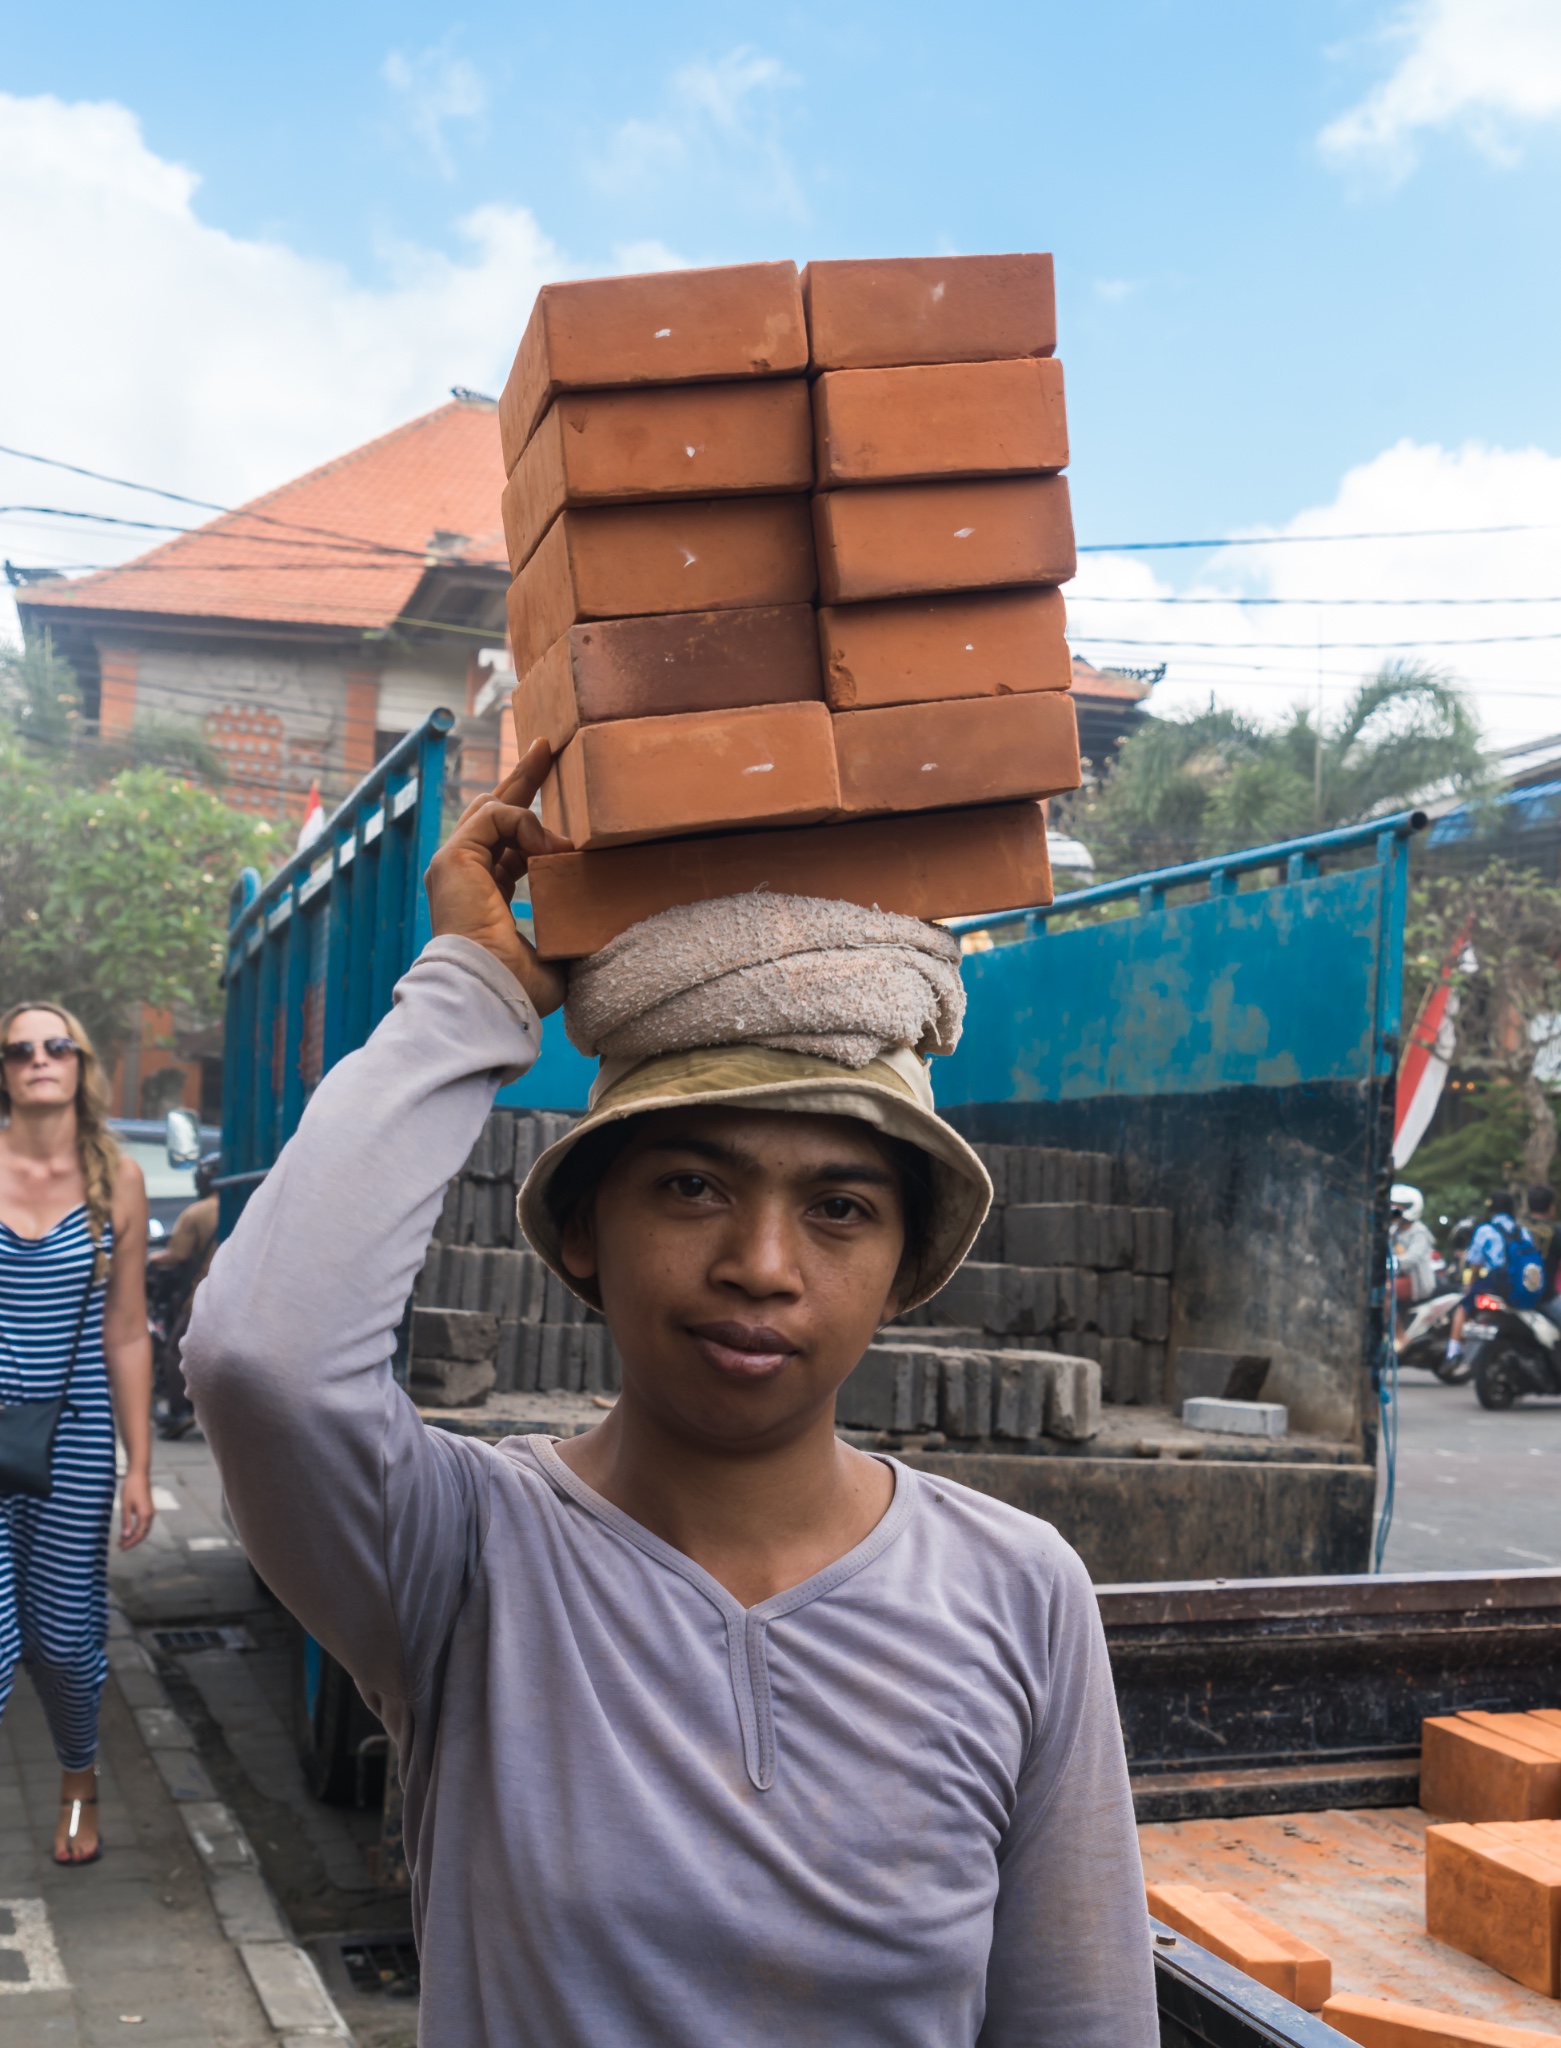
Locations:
(894, 1518)
(747, 1628)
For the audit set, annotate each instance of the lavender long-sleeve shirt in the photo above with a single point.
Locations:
(885, 1809)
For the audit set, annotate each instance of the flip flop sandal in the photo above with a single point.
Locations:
(78, 1862)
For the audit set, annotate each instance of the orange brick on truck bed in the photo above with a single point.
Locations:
(970, 750)
(675, 661)
(1477, 1766)
(706, 771)
(904, 540)
(675, 441)
(928, 309)
(622, 561)
(671, 327)
(941, 420)
(1493, 1890)
(936, 864)
(906, 650)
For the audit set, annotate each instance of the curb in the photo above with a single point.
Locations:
(291, 1991)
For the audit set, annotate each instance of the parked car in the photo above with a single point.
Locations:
(167, 1150)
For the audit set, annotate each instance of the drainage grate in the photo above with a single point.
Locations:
(385, 1963)
(178, 1642)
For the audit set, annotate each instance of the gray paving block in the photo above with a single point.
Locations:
(893, 1387)
(1018, 1398)
(1073, 1399)
(1122, 1372)
(527, 1144)
(1151, 1308)
(1115, 1304)
(988, 1246)
(216, 1836)
(963, 1337)
(451, 1382)
(245, 1907)
(462, 1333)
(290, 1989)
(1152, 1229)
(965, 1408)
(1042, 1234)
(1008, 1299)
(139, 1687)
(1236, 1418)
(161, 1728)
(1114, 1237)
(1228, 1375)
(183, 1773)
(1078, 1301)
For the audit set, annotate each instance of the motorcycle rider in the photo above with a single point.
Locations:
(1414, 1248)
(1503, 1260)
(185, 1257)
(1543, 1229)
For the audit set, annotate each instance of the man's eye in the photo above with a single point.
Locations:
(690, 1185)
(839, 1208)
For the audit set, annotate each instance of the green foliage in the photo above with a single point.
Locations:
(115, 896)
(1216, 781)
(1505, 925)
(40, 704)
(1456, 1170)
(39, 699)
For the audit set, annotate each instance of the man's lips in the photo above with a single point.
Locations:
(743, 1350)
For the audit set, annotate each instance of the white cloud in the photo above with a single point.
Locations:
(1264, 657)
(143, 342)
(1114, 290)
(721, 117)
(1485, 67)
(634, 258)
(435, 89)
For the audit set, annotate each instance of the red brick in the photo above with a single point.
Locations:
(928, 309)
(672, 327)
(707, 771)
(944, 420)
(678, 661)
(1230, 1929)
(916, 649)
(969, 750)
(1385, 2023)
(1494, 1891)
(1478, 1767)
(902, 540)
(622, 561)
(938, 864)
(679, 441)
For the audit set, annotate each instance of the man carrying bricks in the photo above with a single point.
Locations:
(713, 1728)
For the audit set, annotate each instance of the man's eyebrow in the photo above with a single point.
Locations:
(855, 1170)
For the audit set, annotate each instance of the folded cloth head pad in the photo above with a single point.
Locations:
(792, 973)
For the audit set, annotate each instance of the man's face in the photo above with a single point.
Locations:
(745, 1259)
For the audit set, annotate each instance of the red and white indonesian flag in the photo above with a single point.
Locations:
(314, 819)
(1428, 1053)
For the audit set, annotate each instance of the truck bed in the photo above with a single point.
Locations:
(1352, 1884)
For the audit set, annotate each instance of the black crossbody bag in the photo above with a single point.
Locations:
(28, 1428)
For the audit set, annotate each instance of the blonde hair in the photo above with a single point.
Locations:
(96, 1151)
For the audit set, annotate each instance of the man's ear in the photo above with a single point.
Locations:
(577, 1241)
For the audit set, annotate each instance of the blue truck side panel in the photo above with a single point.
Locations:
(314, 953)
(1261, 990)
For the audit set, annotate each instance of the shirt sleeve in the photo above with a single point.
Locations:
(1071, 1964)
(363, 1522)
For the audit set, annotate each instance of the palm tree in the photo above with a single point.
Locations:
(1214, 781)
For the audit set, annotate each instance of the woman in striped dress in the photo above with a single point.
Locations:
(72, 1219)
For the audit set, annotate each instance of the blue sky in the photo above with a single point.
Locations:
(1307, 255)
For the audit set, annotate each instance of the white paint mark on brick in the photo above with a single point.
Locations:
(759, 768)
(662, 333)
(25, 1931)
(963, 532)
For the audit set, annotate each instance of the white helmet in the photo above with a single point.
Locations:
(1407, 1202)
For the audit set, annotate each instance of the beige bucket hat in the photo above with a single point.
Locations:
(893, 1093)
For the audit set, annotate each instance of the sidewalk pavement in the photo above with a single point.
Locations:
(214, 1918)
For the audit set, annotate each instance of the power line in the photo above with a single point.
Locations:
(1172, 597)
(1334, 646)
(1297, 540)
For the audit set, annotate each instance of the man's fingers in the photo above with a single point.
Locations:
(496, 825)
(519, 785)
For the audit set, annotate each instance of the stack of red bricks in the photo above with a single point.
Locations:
(786, 554)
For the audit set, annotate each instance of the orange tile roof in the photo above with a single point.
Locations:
(1089, 681)
(345, 546)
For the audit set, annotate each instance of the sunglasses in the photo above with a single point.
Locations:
(18, 1052)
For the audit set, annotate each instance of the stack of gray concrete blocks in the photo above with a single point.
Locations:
(971, 1393)
(548, 1340)
(1061, 1265)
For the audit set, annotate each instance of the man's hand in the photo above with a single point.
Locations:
(471, 879)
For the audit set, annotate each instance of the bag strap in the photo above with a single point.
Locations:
(81, 1324)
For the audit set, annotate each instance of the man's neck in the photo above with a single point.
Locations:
(759, 1521)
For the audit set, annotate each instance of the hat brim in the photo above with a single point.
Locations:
(891, 1094)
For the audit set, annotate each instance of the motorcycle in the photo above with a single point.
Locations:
(1424, 1342)
(1511, 1352)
